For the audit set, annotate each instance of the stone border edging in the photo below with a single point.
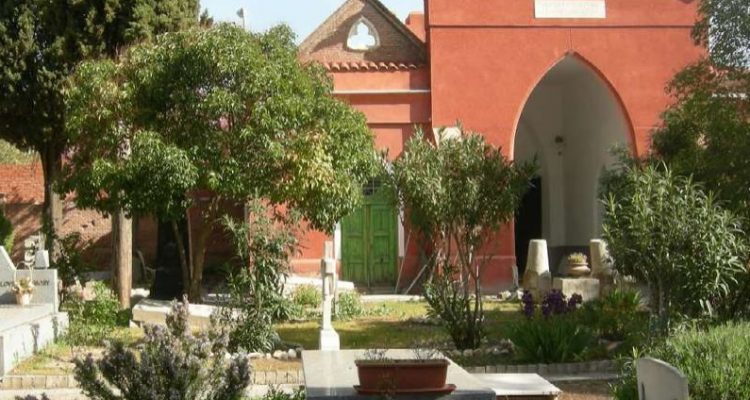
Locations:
(297, 377)
(549, 369)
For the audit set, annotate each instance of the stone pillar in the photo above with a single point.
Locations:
(537, 279)
(329, 339)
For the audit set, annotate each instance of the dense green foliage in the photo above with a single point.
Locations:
(275, 393)
(551, 340)
(617, 316)
(715, 361)
(93, 321)
(6, 233)
(171, 363)
(219, 110)
(665, 232)
(43, 42)
(706, 132)
(457, 195)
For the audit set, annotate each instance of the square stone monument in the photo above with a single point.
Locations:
(45, 282)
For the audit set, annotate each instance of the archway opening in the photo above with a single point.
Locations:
(570, 124)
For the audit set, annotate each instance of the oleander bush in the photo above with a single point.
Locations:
(172, 363)
(669, 234)
(715, 360)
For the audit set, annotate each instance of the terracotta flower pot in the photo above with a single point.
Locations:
(402, 375)
(23, 299)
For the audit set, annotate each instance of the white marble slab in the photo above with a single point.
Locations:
(590, 9)
(333, 375)
(519, 385)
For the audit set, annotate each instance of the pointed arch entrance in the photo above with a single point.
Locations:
(569, 124)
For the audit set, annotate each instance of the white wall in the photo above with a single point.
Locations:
(572, 102)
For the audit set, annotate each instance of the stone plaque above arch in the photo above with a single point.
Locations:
(590, 9)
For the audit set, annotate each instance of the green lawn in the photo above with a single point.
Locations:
(392, 329)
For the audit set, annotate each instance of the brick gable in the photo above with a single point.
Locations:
(398, 44)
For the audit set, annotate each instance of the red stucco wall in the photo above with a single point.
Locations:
(487, 56)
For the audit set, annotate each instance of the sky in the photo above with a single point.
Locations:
(302, 15)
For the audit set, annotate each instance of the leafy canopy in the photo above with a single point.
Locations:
(42, 41)
(221, 110)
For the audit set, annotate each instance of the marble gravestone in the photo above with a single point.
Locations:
(658, 380)
(45, 281)
(333, 375)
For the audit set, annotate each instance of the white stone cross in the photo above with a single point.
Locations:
(329, 339)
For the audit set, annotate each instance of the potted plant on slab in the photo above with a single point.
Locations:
(23, 289)
(426, 372)
(578, 265)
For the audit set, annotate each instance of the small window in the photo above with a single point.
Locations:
(363, 36)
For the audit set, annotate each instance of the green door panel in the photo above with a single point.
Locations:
(354, 245)
(383, 249)
(370, 242)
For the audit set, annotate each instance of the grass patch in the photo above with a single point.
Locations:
(391, 328)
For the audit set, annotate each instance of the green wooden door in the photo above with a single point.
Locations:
(369, 242)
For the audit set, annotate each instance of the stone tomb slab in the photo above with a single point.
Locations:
(45, 281)
(332, 375)
(520, 386)
(26, 330)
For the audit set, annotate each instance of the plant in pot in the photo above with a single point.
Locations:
(426, 372)
(578, 265)
(23, 289)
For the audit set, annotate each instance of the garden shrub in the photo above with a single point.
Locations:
(349, 306)
(172, 363)
(307, 296)
(92, 322)
(617, 316)
(664, 231)
(256, 298)
(716, 362)
(6, 233)
(451, 305)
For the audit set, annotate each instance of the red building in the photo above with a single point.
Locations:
(559, 80)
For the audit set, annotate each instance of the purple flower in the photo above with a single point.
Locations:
(528, 304)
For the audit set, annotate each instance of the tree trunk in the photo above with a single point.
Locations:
(52, 212)
(182, 251)
(122, 252)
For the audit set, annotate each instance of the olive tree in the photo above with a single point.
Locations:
(458, 194)
(664, 231)
(205, 117)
